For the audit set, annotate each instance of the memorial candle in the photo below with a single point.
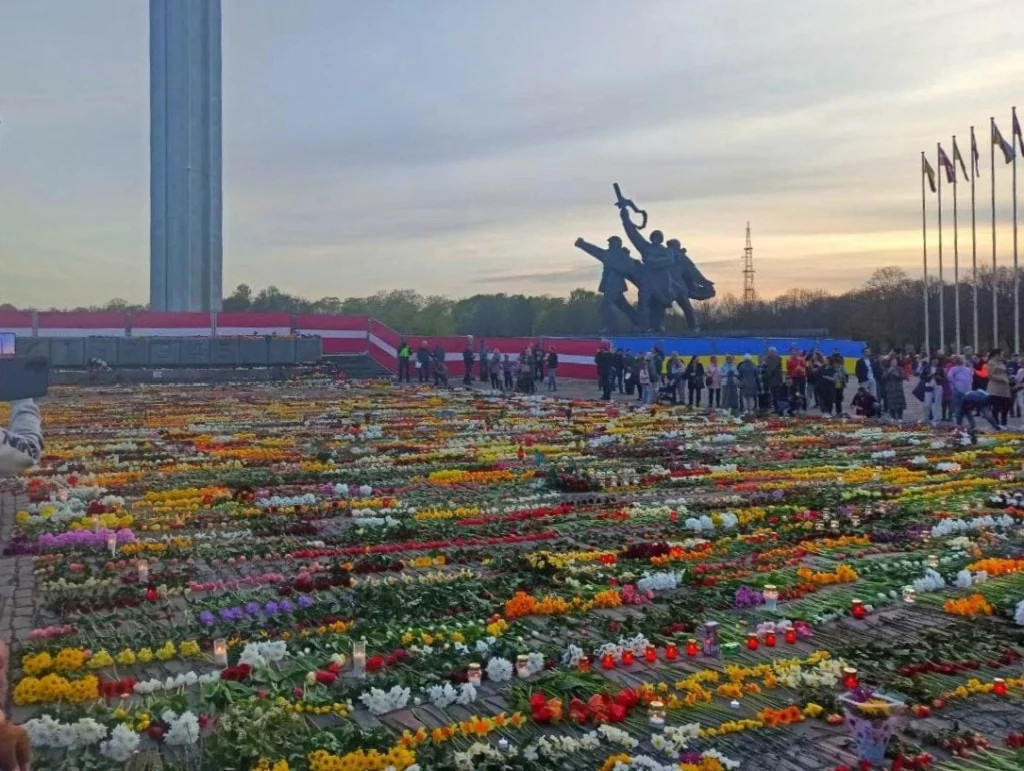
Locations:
(691, 647)
(791, 636)
(473, 675)
(627, 658)
(752, 642)
(651, 654)
(608, 661)
(671, 651)
(220, 652)
(850, 679)
(143, 568)
(857, 609)
(770, 639)
(359, 658)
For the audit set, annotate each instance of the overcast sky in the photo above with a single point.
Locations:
(461, 146)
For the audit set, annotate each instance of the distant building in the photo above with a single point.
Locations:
(185, 261)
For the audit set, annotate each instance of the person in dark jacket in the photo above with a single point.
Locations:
(423, 360)
(538, 361)
(467, 365)
(485, 361)
(619, 372)
(552, 369)
(773, 380)
(604, 361)
(440, 367)
(694, 376)
(404, 354)
(895, 397)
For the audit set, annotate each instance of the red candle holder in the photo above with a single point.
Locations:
(999, 686)
(850, 679)
(770, 639)
(691, 648)
(791, 636)
(671, 651)
(857, 609)
(752, 641)
(608, 661)
(627, 658)
(584, 664)
(651, 655)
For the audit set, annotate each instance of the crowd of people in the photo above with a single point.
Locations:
(951, 388)
(502, 371)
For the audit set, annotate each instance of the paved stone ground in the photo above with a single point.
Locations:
(17, 583)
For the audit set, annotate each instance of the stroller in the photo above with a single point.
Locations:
(669, 392)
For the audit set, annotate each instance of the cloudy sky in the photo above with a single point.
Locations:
(457, 146)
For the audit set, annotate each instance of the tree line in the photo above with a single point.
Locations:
(886, 312)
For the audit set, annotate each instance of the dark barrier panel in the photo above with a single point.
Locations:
(32, 346)
(67, 352)
(224, 352)
(308, 349)
(104, 348)
(164, 351)
(132, 352)
(252, 352)
(281, 350)
(194, 351)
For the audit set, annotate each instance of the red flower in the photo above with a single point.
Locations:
(537, 700)
(152, 595)
(325, 678)
(543, 714)
(626, 698)
(374, 663)
(616, 713)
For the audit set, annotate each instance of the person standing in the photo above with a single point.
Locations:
(467, 365)
(867, 376)
(638, 363)
(604, 361)
(494, 367)
(942, 377)
(730, 384)
(714, 381)
(999, 390)
(619, 369)
(485, 361)
(538, 361)
(839, 379)
(774, 382)
(926, 390)
(440, 366)
(796, 371)
(644, 380)
(506, 369)
(423, 361)
(694, 381)
(895, 397)
(552, 369)
(15, 746)
(747, 372)
(980, 380)
(404, 354)
(961, 378)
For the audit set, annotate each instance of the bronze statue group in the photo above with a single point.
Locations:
(664, 276)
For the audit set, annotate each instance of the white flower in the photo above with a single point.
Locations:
(442, 695)
(183, 731)
(535, 663)
(499, 670)
(121, 745)
(572, 656)
(467, 694)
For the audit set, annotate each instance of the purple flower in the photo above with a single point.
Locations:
(305, 601)
(271, 608)
(206, 618)
(748, 598)
(252, 608)
(690, 757)
(225, 614)
(286, 606)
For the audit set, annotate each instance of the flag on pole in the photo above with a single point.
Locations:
(1002, 144)
(975, 155)
(947, 164)
(928, 171)
(1016, 132)
(960, 159)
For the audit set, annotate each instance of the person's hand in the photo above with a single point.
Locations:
(579, 242)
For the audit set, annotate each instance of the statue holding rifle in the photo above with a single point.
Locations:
(618, 268)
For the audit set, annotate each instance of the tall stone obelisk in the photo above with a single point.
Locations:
(185, 261)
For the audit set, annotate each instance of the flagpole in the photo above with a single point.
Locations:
(1016, 273)
(995, 277)
(924, 247)
(956, 256)
(942, 284)
(974, 244)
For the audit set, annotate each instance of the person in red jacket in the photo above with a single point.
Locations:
(796, 371)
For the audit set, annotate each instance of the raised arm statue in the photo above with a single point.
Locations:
(618, 267)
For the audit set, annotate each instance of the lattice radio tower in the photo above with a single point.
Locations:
(748, 270)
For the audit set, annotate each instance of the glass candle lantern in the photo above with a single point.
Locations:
(671, 651)
(857, 609)
(909, 594)
(523, 665)
(143, 568)
(850, 679)
(220, 652)
(657, 714)
(112, 545)
(359, 658)
(504, 746)
(474, 675)
(999, 686)
(770, 639)
(627, 658)
(651, 654)
(608, 661)
(771, 596)
(691, 647)
(712, 645)
(584, 664)
(752, 642)
(933, 561)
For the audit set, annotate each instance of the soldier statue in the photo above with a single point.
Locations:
(618, 267)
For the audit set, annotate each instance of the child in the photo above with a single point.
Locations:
(866, 403)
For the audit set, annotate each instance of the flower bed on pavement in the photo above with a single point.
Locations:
(350, 579)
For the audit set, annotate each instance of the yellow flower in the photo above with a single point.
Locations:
(145, 655)
(126, 657)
